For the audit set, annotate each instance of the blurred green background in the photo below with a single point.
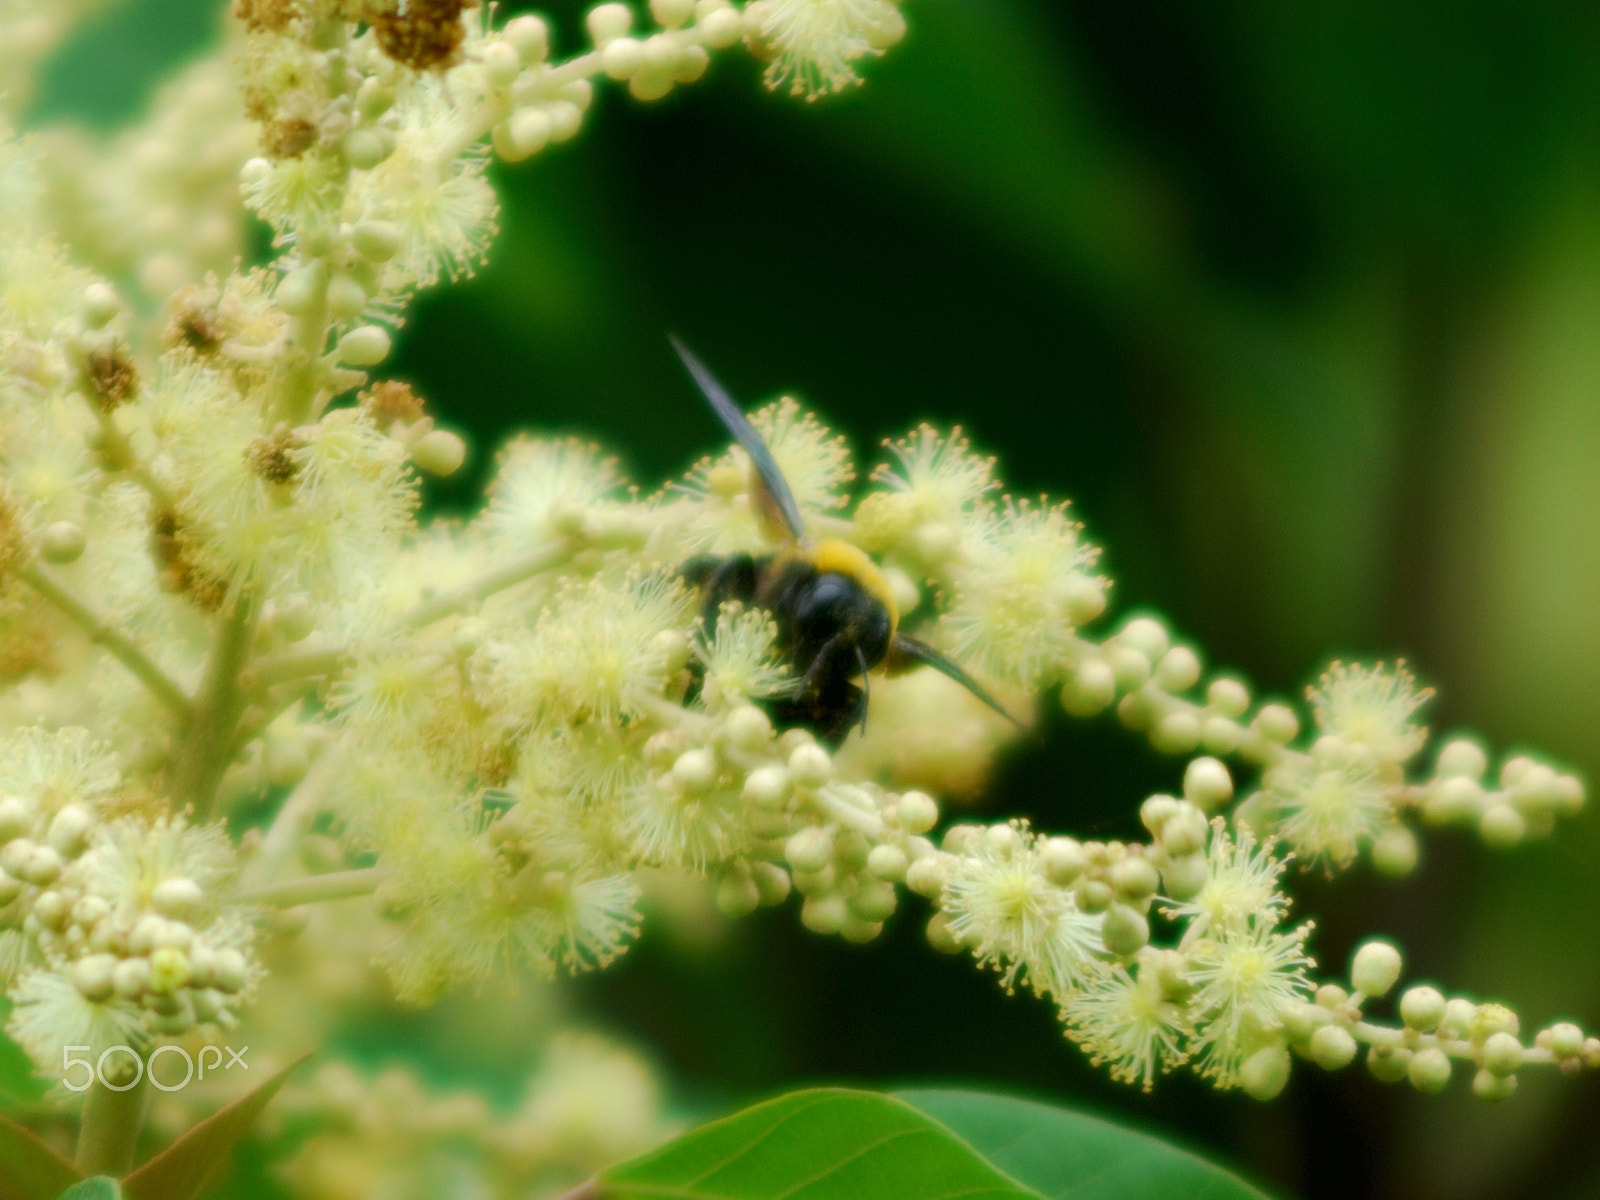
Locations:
(1298, 302)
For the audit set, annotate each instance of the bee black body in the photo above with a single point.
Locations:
(835, 612)
(830, 630)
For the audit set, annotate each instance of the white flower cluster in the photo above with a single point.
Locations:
(114, 930)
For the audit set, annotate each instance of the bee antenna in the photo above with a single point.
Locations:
(918, 651)
(866, 687)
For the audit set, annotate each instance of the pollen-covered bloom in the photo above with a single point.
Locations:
(815, 44)
(1373, 707)
(1126, 1021)
(740, 659)
(1023, 587)
(1245, 979)
(543, 487)
(1002, 905)
(1330, 803)
(931, 503)
(1241, 884)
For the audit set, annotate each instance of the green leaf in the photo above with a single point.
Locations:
(824, 1144)
(18, 1082)
(100, 1187)
(1063, 1153)
(180, 1170)
(29, 1168)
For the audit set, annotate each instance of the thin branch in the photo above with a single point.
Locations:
(208, 743)
(110, 1127)
(312, 889)
(117, 645)
(536, 561)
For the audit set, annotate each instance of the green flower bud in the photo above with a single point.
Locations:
(1429, 1070)
(1265, 1073)
(1375, 969)
(1333, 1047)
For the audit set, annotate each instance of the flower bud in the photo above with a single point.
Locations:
(925, 876)
(916, 812)
(1135, 878)
(1183, 878)
(92, 976)
(748, 728)
(1178, 670)
(376, 241)
(1502, 1054)
(810, 849)
(1332, 1047)
(61, 542)
(1265, 1073)
(1501, 826)
(1429, 1070)
(874, 902)
(695, 771)
(1388, 1064)
(1277, 723)
(1228, 696)
(608, 21)
(941, 937)
(177, 898)
(737, 893)
(721, 28)
(824, 914)
(69, 830)
(365, 346)
(1422, 1008)
(1125, 931)
(1486, 1085)
(1207, 784)
(810, 766)
(439, 452)
(767, 786)
(530, 36)
(501, 63)
(888, 862)
(1090, 689)
(772, 882)
(1375, 969)
(1395, 852)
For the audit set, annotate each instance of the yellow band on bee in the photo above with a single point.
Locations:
(840, 557)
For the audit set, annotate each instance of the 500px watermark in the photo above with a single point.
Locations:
(121, 1074)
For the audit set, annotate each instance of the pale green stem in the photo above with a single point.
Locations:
(109, 1128)
(118, 646)
(535, 562)
(298, 809)
(289, 666)
(208, 742)
(844, 813)
(313, 889)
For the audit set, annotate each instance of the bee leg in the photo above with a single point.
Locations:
(721, 579)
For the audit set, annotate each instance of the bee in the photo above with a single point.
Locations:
(835, 613)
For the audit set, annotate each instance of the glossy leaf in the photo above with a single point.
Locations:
(183, 1168)
(824, 1144)
(99, 1187)
(1061, 1153)
(29, 1168)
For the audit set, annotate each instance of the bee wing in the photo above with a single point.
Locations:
(903, 648)
(775, 497)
